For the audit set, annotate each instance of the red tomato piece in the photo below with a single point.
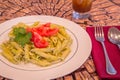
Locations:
(51, 32)
(47, 25)
(28, 29)
(43, 31)
(39, 32)
(47, 31)
(38, 41)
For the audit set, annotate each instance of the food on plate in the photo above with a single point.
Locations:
(40, 44)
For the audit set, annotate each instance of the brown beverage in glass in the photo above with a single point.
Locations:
(82, 6)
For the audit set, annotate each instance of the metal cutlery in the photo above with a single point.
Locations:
(99, 35)
(114, 36)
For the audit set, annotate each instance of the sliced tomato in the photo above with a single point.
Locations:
(47, 25)
(38, 41)
(28, 29)
(47, 31)
(52, 32)
(39, 32)
(43, 31)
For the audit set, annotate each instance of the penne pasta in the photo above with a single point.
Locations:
(46, 50)
(45, 55)
(16, 46)
(65, 53)
(57, 50)
(27, 53)
(61, 37)
(7, 54)
(54, 40)
(39, 62)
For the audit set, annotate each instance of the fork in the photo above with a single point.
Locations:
(99, 36)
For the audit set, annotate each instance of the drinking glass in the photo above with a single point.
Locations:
(81, 8)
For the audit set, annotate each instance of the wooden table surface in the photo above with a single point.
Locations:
(105, 11)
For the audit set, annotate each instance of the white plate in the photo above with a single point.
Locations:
(81, 48)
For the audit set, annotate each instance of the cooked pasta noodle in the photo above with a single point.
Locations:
(58, 49)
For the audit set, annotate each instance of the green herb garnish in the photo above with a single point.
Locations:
(22, 37)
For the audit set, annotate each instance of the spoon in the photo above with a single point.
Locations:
(114, 36)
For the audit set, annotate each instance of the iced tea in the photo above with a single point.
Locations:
(82, 6)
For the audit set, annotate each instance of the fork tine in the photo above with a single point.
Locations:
(97, 33)
(102, 31)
